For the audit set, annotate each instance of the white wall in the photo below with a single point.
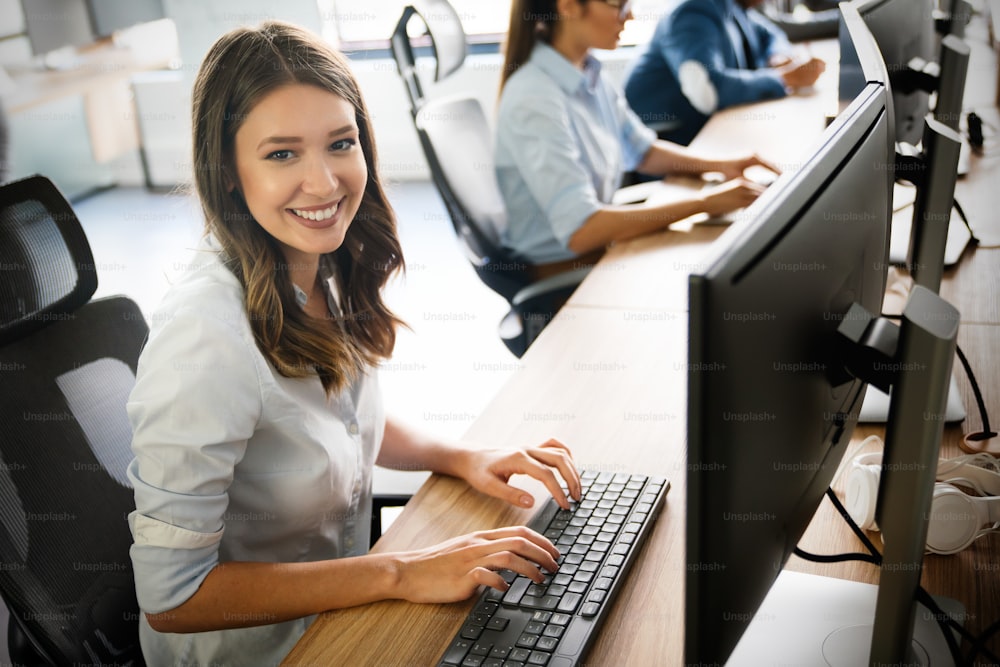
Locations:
(164, 101)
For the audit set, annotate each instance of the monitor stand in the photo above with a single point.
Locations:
(875, 408)
(808, 619)
(964, 157)
(899, 237)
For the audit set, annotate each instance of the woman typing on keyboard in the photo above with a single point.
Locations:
(256, 413)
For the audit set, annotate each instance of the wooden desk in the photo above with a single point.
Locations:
(102, 78)
(608, 376)
(604, 398)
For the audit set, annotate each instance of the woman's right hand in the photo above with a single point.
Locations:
(731, 195)
(453, 570)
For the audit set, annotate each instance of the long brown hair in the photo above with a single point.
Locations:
(530, 21)
(240, 69)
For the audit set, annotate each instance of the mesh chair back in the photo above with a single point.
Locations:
(45, 261)
(456, 139)
(66, 575)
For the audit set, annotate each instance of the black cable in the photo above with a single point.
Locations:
(987, 432)
(835, 558)
(976, 139)
(974, 240)
(875, 558)
(979, 644)
(872, 549)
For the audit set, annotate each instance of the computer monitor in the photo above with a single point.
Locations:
(905, 33)
(769, 415)
(109, 16)
(904, 30)
(56, 24)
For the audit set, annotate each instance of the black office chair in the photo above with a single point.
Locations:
(68, 365)
(456, 140)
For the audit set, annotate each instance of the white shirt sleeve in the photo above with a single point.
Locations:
(196, 402)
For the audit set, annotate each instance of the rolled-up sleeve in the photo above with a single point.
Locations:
(196, 402)
(539, 131)
(636, 138)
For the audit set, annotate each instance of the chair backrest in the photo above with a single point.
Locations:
(68, 366)
(448, 43)
(45, 260)
(457, 142)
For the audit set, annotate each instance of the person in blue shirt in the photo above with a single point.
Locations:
(707, 55)
(256, 413)
(565, 136)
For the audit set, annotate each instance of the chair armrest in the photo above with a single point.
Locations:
(547, 287)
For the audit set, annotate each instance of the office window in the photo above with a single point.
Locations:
(367, 24)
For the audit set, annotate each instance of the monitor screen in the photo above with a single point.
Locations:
(109, 16)
(767, 422)
(56, 24)
(904, 30)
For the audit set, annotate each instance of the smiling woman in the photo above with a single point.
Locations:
(256, 413)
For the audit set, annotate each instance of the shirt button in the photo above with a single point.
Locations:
(353, 429)
(349, 542)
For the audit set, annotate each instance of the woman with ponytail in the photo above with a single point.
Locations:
(256, 414)
(565, 136)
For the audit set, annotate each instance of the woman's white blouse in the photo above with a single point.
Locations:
(234, 462)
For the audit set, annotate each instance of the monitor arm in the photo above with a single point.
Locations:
(933, 172)
(946, 78)
(916, 359)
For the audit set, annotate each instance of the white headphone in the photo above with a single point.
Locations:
(956, 519)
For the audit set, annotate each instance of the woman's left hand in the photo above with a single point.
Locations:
(734, 168)
(488, 470)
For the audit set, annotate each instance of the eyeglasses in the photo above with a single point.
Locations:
(624, 7)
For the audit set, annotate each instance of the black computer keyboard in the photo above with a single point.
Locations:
(554, 623)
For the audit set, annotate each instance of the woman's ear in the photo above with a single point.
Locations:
(569, 9)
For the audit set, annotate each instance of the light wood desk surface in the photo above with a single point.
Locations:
(608, 376)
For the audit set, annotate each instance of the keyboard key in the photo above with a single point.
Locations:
(547, 643)
(481, 648)
(589, 609)
(501, 651)
(534, 628)
(544, 602)
(520, 654)
(597, 596)
(603, 583)
(553, 630)
(473, 661)
(569, 602)
(539, 658)
(457, 651)
(541, 616)
(526, 641)
(470, 631)
(516, 591)
(498, 623)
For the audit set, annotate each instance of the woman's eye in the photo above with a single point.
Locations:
(343, 144)
(280, 155)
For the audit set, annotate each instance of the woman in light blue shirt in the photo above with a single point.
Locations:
(256, 413)
(565, 136)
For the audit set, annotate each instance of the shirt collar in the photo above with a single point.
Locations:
(565, 74)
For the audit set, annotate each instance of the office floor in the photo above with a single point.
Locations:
(446, 367)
